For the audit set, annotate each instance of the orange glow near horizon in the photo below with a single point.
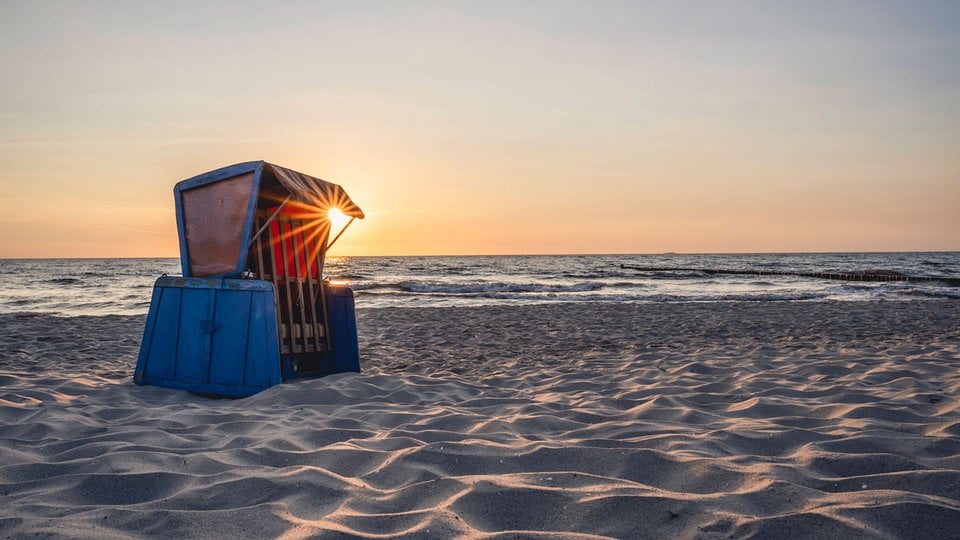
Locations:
(467, 128)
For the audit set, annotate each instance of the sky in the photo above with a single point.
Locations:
(491, 127)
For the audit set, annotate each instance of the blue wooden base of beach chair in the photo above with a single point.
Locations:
(220, 336)
(211, 336)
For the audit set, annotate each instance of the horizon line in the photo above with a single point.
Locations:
(596, 254)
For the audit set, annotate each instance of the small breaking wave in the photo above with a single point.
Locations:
(935, 292)
(346, 277)
(64, 281)
(475, 288)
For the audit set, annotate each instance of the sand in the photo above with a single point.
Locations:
(773, 420)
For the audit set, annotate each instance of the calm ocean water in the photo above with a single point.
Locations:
(123, 286)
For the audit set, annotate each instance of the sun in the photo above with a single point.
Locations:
(337, 218)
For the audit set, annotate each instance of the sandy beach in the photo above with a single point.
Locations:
(697, 420)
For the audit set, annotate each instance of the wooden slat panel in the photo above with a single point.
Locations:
(311, 299)
(287, 293)
(294, 267)
(325, 320)
(196, 325)
(284, 344)
(296, 229)
(260, 269)
(162, 353)
(229, 346)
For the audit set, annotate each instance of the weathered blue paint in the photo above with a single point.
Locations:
(248, 224)
(184, 248)
(344, 353)
(219, 336)
(220, 174)
(212, 336)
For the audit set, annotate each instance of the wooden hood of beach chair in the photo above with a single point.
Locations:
(217, 211)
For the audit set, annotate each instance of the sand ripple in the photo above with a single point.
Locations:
(574, 422)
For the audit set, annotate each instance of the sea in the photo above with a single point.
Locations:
(72, 287)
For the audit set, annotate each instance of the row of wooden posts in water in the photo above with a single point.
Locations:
(865, 276)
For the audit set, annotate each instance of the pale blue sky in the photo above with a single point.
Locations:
(492, 127)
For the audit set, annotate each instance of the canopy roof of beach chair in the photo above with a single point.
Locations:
(216, 211)
(314, 191)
